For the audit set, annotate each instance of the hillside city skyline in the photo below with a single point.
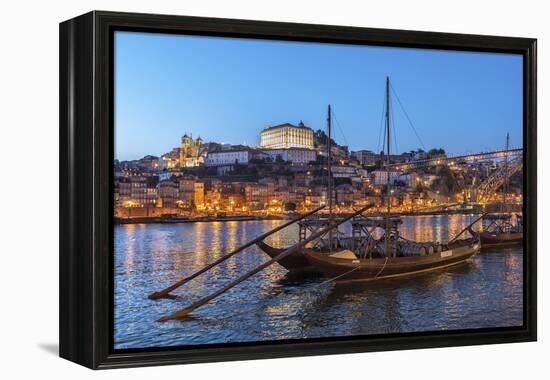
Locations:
(257, 145)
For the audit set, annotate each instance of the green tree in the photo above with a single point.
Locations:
(436, 152)
(321, 138)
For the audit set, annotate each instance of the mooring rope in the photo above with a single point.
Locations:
(353, 270)
(383, 267)
(339, 276)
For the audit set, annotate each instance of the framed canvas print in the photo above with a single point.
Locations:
(238, 189)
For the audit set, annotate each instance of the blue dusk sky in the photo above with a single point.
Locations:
(228, 90)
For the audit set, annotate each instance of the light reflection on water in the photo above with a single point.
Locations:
(485, 292)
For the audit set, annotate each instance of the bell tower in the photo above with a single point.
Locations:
(185, 144)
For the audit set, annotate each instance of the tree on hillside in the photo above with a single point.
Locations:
(321, 138)
(436, 152)
(447, 182)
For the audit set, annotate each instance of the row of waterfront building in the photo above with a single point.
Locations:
(268, 194)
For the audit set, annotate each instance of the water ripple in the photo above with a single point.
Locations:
(485, 292)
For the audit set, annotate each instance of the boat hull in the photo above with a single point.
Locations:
(348, 270)
(489, 239)
(295, 262)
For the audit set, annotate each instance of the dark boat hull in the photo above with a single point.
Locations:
(347, 270)
(294, 262)
(489, 239)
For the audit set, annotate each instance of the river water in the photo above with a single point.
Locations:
(485, 292)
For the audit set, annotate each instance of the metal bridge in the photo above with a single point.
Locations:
(502, 153)
(497, 178)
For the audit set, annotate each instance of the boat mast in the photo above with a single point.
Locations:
(329, 176)
(505, 187)
(329, 155)
(388, 185)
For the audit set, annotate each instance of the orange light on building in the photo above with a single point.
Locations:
(130, 203)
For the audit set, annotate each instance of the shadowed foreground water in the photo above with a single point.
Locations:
(484, 292)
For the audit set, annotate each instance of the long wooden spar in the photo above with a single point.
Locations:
(466, 228)
(183, 312)
(166, 292)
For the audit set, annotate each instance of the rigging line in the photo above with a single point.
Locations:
(383, 267)
(394, 128)
(407, 116)
(381, 124)
(316, 286)
(339, 127)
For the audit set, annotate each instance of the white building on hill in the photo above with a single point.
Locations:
(286, 135)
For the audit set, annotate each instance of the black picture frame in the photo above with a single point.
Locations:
(86, 156)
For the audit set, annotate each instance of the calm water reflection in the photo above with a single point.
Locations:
(485, 292)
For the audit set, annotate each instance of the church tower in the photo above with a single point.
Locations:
(185, 144)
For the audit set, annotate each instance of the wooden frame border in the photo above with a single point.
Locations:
(86, 153)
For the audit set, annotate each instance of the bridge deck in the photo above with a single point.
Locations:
(502, 153)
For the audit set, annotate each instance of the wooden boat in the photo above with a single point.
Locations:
(500, 232)
(406, 258)
(355, 269)
(490, 239)
(364, 250)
